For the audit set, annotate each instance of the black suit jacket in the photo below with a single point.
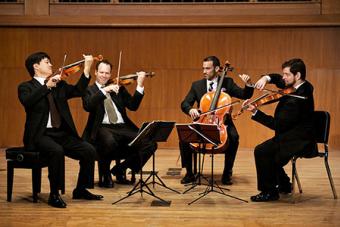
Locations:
(292, 121)
(33, 96)
(199, 88)
(93, 102)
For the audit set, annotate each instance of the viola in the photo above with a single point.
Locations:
(268, 98)
(128, 79)
(214, 106)
(72, 68)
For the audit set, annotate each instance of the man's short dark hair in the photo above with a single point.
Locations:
(35, 59)
(296, 65)
(214, 59)
(105, 61)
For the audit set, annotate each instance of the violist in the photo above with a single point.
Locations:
(293, 126)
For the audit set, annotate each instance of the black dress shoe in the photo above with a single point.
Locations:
(106, 182)
(188, 178)
(121, 179)
(85, 194)
(226, 178)
(265, 197)
(56, 201)
(285, 188)
(117, 171)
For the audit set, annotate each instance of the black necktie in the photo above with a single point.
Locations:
(55, 116)
(211, 86)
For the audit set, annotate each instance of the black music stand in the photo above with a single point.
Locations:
(156, 131)
(203, 134)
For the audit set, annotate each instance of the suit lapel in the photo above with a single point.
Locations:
(202, 87)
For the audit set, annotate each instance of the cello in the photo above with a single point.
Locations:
(214, 106)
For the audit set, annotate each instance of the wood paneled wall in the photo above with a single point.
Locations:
(175, 54)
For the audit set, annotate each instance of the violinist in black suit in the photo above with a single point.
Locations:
(211, 67)
(293, 126)
(49, 126)
(109, 127)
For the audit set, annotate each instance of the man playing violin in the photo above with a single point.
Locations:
(109, 127)
(211, 68)
(49, 126)
(293, 126)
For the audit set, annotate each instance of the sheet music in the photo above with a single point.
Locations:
(141, 131)
(157, 131)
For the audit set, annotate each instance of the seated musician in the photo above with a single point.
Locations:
(49, 126)
(293, 126)
(211, 67)
(110, 128)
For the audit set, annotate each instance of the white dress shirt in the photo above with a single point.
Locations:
(41, 80)
(119, 115)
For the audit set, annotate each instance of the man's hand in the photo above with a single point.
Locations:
(246, 79)
(247, 106)
(194, 114)
(52, 82)
(87, 64)
(261, 83)
(140, 78)
(112, 88)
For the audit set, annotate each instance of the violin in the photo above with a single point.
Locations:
(214, 106)
(269, 98)
(127, 79)
(70, 69)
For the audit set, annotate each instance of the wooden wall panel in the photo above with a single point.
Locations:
(330, 7)
(175, 54)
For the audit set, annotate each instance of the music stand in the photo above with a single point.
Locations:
(156, 131)
(203, 134)
(186, 133)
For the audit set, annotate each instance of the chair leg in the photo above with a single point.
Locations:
(330, 177)
(36, 183)
(62, 187)
(295, 176)
(100, 173)
(10, 173)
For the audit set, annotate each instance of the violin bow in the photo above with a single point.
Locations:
(221, 107)
(119, 63)
(62, 66)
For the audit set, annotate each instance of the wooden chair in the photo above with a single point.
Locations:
(322, 124)
(18, 157)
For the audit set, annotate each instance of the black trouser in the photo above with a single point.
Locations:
(269, 166)
(230, 152)
(54, 145)
(113, 140)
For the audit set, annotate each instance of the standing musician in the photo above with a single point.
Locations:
(211, 68)
(110, 128)
(293, 126)
(49, 126)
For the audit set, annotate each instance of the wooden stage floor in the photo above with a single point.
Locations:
(314, 207)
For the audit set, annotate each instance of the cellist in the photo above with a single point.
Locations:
(211, 68)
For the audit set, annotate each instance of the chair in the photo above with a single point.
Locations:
(322, 125)
(18, 157)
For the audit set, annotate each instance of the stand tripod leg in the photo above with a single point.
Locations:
(139, 188)
(155, 176)
(210, 187)
(198, 176)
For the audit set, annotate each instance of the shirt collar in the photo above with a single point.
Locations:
(213, 80)
(41, 80)
(297, 86)
(99, 85)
